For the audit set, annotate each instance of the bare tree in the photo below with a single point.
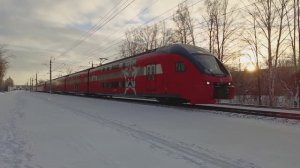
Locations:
(251, 40)
(132, 43)
(298, 28)
(212, 11)
(184, 25)
(291, 22)
(270, 21)
(146, 38)
(221, 31)
(293, 28)
(165, 34)
(3, 63)
(8, 83)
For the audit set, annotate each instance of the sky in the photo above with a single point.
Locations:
(34, 31)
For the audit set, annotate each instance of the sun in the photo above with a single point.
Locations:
(246, 63)
(250, 68)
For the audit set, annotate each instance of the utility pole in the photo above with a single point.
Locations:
(31, 84)
(30, 88)
(91, 62)
(102, 59)
(50, 76)
(36, 81)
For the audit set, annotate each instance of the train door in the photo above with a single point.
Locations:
(151, 78)
(65, 84)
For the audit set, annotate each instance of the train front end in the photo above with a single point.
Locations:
(213, 81)
(216, 77)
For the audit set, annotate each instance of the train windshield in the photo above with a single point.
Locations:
(210, 65)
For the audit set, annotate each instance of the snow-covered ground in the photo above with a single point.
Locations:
(39, 130)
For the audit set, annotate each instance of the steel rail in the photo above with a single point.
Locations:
(256, 112)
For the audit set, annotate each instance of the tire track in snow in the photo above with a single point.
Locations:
(201, 158)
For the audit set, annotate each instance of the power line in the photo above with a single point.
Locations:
(154, 2)
(156, 17)
(136, 15)
(163, 20)
(232, 11)
(97, 29)
(235, 10)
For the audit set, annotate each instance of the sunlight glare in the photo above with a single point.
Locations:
(244, 60)
(250, 68)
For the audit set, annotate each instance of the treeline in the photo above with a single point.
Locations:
(247, 92)
(218, 23)
(3, 67)
(266, 31)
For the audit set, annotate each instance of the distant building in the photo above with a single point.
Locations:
(18, 87)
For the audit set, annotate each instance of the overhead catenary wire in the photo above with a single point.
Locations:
(131, 18)
(232, 11)
(77, 43)
(143, 10)
(163, 20)
(168, 17)
(106, 21)
(151, 20)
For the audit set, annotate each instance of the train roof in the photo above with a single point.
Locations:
(179, 49)
(182, 49)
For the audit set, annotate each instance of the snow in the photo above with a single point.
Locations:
(39, 130)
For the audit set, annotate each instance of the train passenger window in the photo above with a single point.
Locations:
(148, 72)
(121, 84)
(180, 67)
(153, 71)
(115, 84)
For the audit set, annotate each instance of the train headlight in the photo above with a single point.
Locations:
(208, 83)
(229, 83)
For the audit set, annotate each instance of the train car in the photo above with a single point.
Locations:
(41, 87)
(58, 84)
(77, 83)
(175, 74)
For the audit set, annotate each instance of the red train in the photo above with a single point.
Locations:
(173, 74)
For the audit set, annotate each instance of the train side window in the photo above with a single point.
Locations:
(121, 84)
(148, 71)
(153, 69)
(180, 67)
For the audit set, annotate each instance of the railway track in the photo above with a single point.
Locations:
(267, 112)
(260, 106)
(256, 112)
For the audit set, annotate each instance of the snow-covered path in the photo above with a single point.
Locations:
(38, 130)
